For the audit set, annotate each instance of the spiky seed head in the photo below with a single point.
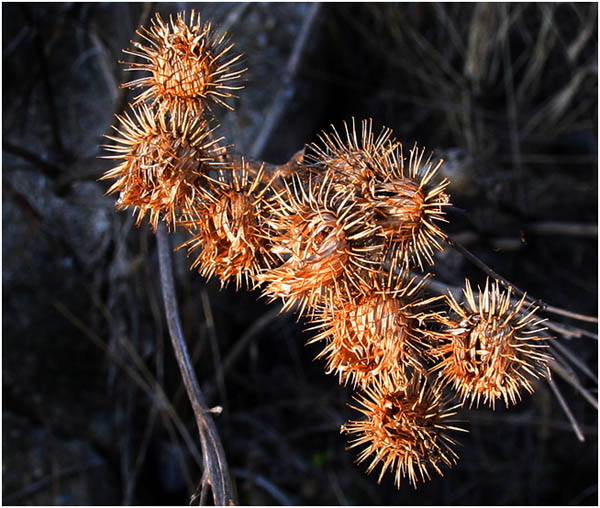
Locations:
(188, 64)
(410, 206)
(407, 203)
(322, 239)
(405, 430)
(373, 335)
(163, 158)
(355, 159)
(227, 228)
(491, 348)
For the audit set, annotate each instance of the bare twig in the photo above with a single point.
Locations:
(284, 94)
(216, 473)
(567, 313)
(252, 331)
(44, 482)
(541, 304)
(259, 325)
(259, 480)
(513, 119)
(574, 360)
(234, 16)
(214, 345)
(154, 391)
(570, 331)
(270, 172)
(482, 266)
(563, 229)
(567, 410)
(574, 382)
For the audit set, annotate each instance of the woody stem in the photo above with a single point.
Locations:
(216, 472)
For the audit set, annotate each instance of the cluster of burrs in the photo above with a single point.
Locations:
(342, 234)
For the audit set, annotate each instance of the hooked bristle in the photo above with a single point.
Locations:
(323, 240)
(373, 335)
(401, 192)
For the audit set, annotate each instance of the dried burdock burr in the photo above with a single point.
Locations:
(228, 226)
(355, 161)
(376, 334)
(188, 65)
(400, 191)
(409, 205)
(163, 158)
(341, 234)
(491, 348)
(322, 238)
(406, 430)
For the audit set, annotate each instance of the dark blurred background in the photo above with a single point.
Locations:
(93, 408)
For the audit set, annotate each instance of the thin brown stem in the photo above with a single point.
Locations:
(567, 410)
(573, 229)
(34, 487)
(570, 331)
(570, 378)
(574, 360)
(569, 314)
(216, 472)
(536, 301)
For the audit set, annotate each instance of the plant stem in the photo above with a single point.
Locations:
(216, 472)
(518, 292)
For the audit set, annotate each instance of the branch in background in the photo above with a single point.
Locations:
(284, 94)
(121, 101)
(557, 346)
(48, 168)
(216, 473)
(567, 410)
(34, 487)
(48, 90)
(574, 229)
(570, 331)
(574, 382)
(260, 481)
(541, 304)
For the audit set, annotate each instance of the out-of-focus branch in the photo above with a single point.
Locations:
(557, 368)
(567, 410)
(48, 168)
(285, 92)
(563, 229)
(216, 472)
(123, 91)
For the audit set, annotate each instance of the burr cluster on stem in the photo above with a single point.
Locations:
(343, 234)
